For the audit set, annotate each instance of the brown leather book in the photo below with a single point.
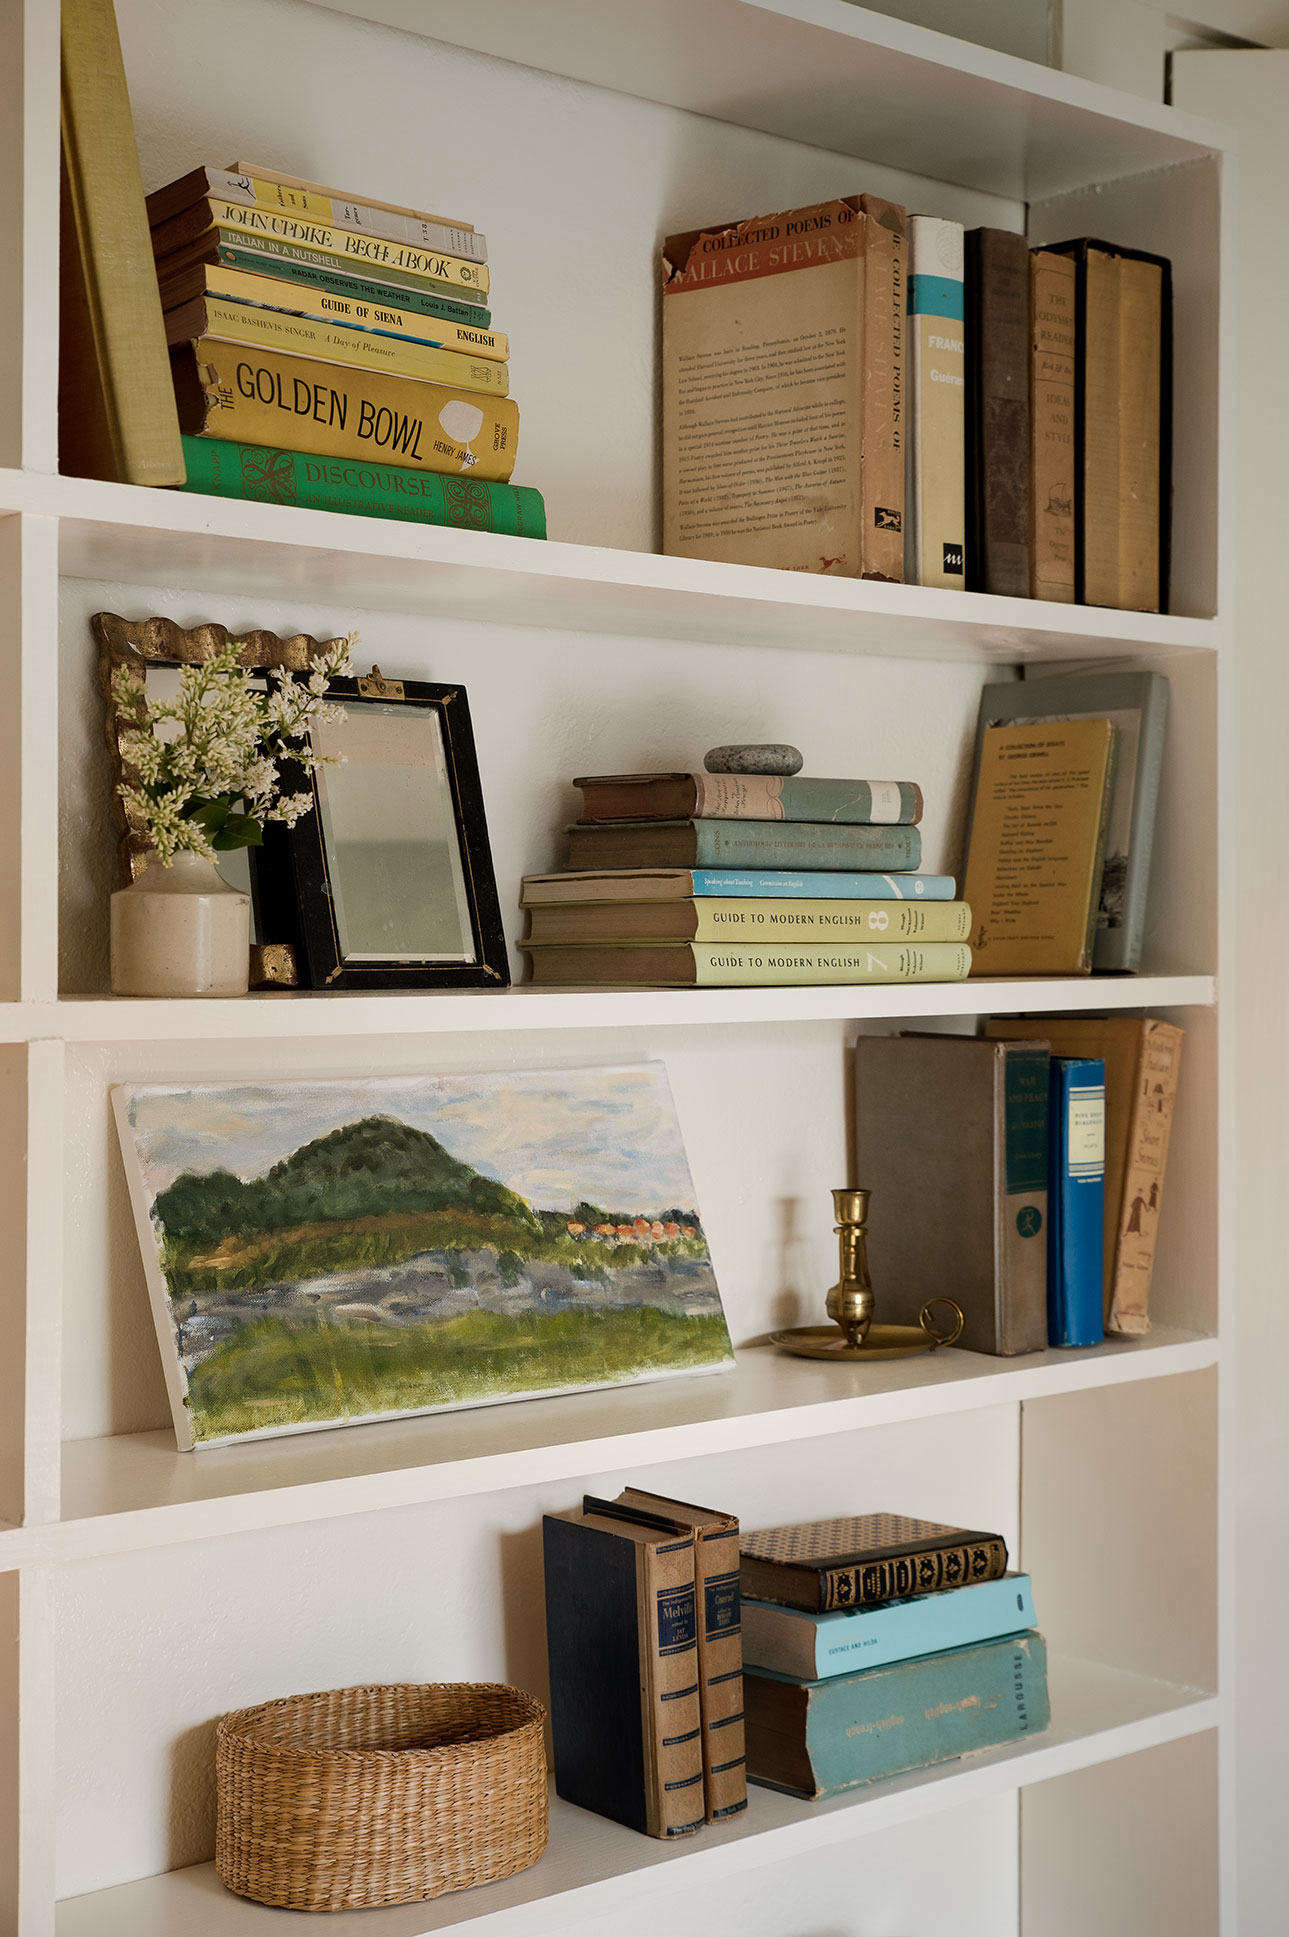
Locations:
(822, 1565)
(1142, 1057)
(951, 1139)
(1123, 424)
(1051, 412)
(996, 296)
(720, 1643)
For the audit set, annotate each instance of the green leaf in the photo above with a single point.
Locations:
(238, 830)
(210, 814)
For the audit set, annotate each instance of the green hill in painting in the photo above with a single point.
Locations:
(369, 1169)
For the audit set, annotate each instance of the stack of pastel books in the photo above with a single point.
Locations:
(732, 879)
(336, 353)
(877, 1645)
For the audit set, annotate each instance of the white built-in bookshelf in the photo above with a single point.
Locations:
(142, 1591)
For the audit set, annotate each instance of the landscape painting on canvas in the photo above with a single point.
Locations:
(320, 1253)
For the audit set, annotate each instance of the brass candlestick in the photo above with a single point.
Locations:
(851, 1302)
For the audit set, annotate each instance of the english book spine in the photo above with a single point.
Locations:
(804, 844)
(1052, 426)
(934, 502)
(312, 204)
(277, 225)
(1143, 1184)
(1076, 1202)
(823, 921)
(815, 1646)
(860, 1728)
(996, 322)
(720, 1667)
(268, 329)
(823, 886)
(882, 466)
(721, 965)
(261, 397)
(380, 319)
(312, 271)
(364, 489)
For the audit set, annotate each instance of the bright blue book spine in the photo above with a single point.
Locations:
(860, 1728)
(856, 1638)
(1076, 1202)
(778, 885)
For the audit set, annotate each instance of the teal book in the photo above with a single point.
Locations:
(752, 844)
(817, 1738)
(272, 257)
(814, 1647)
(366, 489)
(1076, 1201)
(822, 886)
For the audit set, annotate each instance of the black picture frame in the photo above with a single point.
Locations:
(298, 868)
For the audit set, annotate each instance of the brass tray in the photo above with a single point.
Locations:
(880, 1342)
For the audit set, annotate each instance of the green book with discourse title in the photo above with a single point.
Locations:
(365, 489)
(815, 1738)
(828, 845)
(269, 256)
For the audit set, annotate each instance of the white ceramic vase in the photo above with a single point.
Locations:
(180, 930)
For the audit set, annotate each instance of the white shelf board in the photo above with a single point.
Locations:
(122, 532)
(593, 1868)
(135, 1491)
(833, 75)
(307, 1013)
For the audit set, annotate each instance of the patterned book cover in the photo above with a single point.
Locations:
(865, 1560)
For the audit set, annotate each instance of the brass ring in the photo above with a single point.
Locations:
(925, 1320)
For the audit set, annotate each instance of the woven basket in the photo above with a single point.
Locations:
(363, 1796)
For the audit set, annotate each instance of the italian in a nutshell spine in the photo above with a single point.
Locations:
(622, 1645)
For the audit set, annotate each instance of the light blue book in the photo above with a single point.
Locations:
(776, 885)
(815, 1738)
(816, 1646)
(1076, 1201)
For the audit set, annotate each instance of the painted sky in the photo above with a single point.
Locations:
(555, 1136)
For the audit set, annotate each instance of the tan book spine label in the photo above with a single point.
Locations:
(1141, 376)
(669, 1688)
(882, 461)
(1101, 411)
(253, 396)
(1052, 322)
(720, 1666)
(1152, 1119)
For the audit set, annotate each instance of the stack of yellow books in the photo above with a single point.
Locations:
(336, 353)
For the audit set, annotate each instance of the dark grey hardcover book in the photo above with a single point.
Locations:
(952, 1141)
(1138, 705)
(622, 1649)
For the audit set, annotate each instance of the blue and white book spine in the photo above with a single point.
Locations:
(790, 1641)
(1076, 1202)
(777, 885)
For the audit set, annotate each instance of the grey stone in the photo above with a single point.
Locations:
(772, 756)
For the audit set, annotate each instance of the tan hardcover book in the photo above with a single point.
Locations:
(1051, 376)
(882, 479)
(951, 1139)
(865, 1561)
(721, 918)
(1142, 1058)
(720, 1644)
(764, 327)
(253, 396)
(1036, 848)
(116, 407)
(622, 1648)
(935, 503)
